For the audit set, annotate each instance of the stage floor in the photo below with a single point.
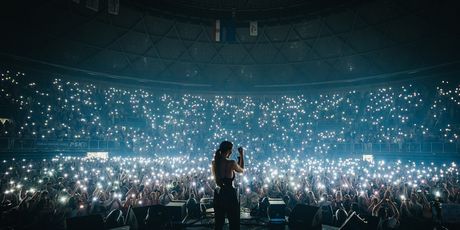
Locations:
(247, 222)
(243, 227)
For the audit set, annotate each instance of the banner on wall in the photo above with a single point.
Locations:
(113, 6)
(216, 34)
(253, 28)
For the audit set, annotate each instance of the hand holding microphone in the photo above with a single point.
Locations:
(241, 157)
(241, 151)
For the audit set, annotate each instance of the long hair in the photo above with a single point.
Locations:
(218, 156)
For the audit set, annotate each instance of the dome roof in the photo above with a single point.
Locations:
(298, 43)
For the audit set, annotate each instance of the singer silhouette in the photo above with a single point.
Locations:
(225, 198)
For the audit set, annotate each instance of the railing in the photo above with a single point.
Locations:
(25, 144)
(29, 144)
(424, 147)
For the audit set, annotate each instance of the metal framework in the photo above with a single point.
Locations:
(335, 45)
(57, 145)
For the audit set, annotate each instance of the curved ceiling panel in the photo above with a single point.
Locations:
(298, 42)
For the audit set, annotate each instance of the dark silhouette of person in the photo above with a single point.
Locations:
(225, 198)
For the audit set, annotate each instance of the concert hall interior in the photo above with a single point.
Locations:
(229, 114)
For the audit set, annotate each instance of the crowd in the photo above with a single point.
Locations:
(175, 134)
(146, 121)
(401, 194)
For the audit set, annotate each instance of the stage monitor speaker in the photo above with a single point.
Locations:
(158, 217)
(276, 210)
(92, 222)
(176, 210)
(305, 217)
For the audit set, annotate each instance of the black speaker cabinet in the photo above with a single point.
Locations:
(176, 210)
(305, 217)
(92, 222)
(276, 210)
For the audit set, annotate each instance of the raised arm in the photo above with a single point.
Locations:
(395, 210)
(239, 167)
(377, 207)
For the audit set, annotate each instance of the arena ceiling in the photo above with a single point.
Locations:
(298, 43)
